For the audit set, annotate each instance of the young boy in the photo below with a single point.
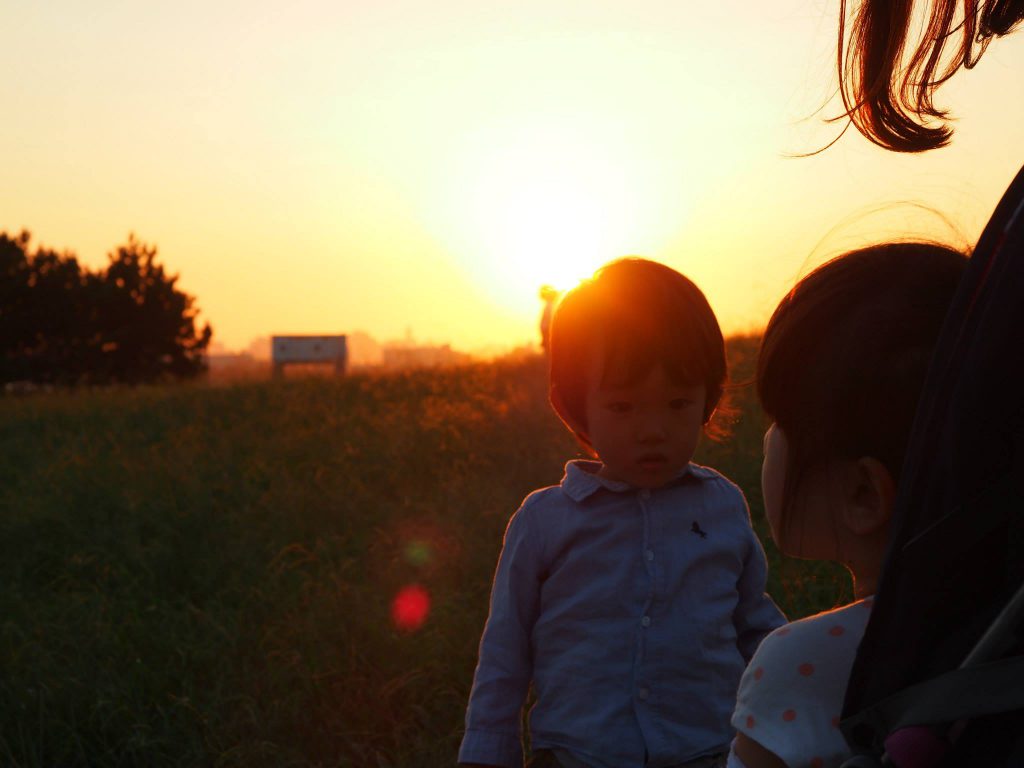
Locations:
(631, 595)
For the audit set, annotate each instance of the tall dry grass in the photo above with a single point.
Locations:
(204, 575)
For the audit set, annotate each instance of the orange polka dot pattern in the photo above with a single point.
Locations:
(791, 695)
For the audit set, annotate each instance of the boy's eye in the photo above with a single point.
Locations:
(619, 406)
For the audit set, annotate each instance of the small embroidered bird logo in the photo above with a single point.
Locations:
(696, 529)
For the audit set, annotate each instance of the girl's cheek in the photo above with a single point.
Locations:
(773, 477)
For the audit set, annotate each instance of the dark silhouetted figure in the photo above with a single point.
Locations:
(549, 296)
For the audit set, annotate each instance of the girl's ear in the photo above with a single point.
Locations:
(870, 497)
(563, 412)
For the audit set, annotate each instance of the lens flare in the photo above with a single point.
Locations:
(410, 607)
(419, 552)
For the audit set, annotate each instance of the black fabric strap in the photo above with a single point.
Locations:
(966, 693)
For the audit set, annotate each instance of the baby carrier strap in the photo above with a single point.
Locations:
(956, 556)
(968, 692)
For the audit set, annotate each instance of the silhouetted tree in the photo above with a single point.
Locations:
(14, 272)
(65, 325)
(42, 337)
(148, 326)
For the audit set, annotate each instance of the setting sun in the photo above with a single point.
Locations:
(548, 200)
(418, 171)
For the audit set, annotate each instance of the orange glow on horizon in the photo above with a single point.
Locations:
(410, 170)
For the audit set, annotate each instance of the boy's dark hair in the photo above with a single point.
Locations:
(844, 357)
(636, 313)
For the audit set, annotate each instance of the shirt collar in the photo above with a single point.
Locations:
(581, 479)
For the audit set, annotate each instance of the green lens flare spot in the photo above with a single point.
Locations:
(419, 553)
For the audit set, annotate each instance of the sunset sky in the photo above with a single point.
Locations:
(331, 167)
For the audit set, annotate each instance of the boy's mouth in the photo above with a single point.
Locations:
(652, 460)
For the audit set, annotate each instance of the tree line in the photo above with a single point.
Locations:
(63, 324)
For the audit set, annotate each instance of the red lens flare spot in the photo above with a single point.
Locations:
(410, 607)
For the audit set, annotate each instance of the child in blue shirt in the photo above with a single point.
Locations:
(630, 596)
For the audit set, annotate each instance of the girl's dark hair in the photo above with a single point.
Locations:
(637, 314)
(886, 91)
(845, 354)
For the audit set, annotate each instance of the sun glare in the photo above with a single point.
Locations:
(545, 224)
(548, 203)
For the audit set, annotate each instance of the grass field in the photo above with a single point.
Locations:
(205, 576)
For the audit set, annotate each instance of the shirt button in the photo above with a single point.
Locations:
(642, 694)
(646, 621)
(649, 554)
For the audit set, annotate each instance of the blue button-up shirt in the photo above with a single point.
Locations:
(632, 612)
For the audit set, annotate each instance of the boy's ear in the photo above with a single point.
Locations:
(870, 497)
(563, 412)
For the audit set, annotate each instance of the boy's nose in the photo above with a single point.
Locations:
(651, 430)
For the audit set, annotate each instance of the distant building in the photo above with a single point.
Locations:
(402, 356)
(287, 350)
(313, 355)
(363, 350)
(227, 367)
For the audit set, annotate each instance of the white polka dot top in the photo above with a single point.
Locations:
(791, 694)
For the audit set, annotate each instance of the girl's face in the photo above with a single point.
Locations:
(773, 479)
(807, 526)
